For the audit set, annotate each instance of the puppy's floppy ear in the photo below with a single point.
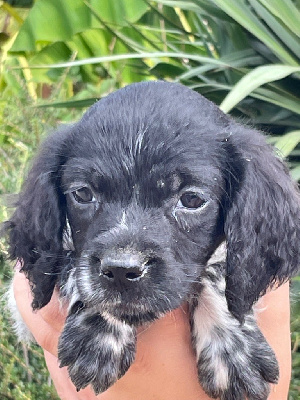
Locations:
(36, 227)
(262, 220)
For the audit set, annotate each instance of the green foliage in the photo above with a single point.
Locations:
(22, 126)
(242, 54)
(71, 17)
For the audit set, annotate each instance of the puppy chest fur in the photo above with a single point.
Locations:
(123, 211)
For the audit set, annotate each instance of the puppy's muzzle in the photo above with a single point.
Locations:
(121, 270)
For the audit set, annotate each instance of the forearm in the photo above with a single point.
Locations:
(274, 321)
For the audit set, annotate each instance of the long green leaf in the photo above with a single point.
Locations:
(209, 9)
(240, 12)
(286, 11)
(254, 79)
(12, 12)
(270, 96)
(287, 143)
(119, 57)
(284, 100)
(237, 59)
(70, 103)
(289, 39)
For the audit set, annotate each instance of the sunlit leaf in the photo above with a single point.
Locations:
(257, 77)
(295, 172)
(119, 12)
(52, 21)
(287, 143)
(118, 57)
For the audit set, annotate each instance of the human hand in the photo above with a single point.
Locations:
(165, 366)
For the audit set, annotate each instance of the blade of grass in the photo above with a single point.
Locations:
(12, 12)
(70, 103)
(118, 57)
(237, 59)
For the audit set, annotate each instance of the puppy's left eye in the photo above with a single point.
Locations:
(83, 195)
(191, 200)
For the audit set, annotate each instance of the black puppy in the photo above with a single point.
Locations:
(123, 211)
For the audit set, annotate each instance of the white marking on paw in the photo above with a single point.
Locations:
(111, 342)
(212, 312)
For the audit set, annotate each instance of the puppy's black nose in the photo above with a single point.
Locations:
(123, 269)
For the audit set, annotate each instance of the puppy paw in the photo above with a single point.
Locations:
(237, 365)
(234, 360)
(97, 350)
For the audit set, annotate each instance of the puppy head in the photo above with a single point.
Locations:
(151, 180)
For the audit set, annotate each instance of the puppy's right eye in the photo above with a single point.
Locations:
(83, 195)
(191, 200)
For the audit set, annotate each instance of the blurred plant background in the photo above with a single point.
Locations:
(58, 57)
